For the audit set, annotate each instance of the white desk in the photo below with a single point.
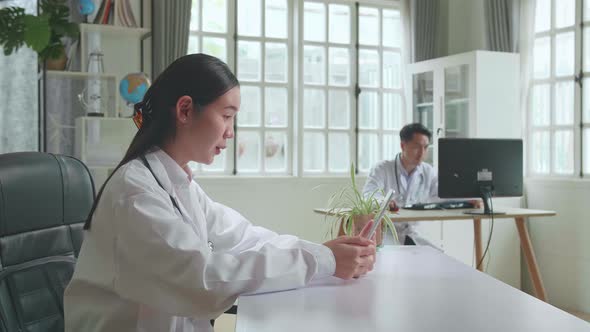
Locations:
(411, 289)
(517, 214)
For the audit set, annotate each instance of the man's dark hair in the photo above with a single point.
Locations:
(408, 131)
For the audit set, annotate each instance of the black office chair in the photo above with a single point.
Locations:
(44, 200)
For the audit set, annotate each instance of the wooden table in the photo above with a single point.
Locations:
(411, 289)
(517, 214)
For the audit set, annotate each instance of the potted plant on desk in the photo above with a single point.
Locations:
(43, 33)
(351, 211)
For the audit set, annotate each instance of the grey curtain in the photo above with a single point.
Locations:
(170, 28)
(502, 20)
(19, 108)
(424, 20)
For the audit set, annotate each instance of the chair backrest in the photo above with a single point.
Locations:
(44, 200)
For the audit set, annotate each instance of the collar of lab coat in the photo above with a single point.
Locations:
(163, 164)
(417, 171)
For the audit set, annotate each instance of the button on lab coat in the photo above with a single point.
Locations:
(421, 186)
(144, 266)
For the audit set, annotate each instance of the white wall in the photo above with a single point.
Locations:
(283, 204)
(561, 243)
(466, 30)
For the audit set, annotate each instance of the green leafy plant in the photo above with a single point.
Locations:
(42, 33)
(349, 202)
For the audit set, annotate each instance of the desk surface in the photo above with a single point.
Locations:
(411, 289)
(457, 214)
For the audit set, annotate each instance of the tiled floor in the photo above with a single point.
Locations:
(225, 323)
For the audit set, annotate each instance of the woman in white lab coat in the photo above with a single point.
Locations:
(158, 253)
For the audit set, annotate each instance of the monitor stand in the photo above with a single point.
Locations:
(486, 195)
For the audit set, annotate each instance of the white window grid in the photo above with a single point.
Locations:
(324, 90)
(354, 133)
(263, 132)
(228, 162)
(584, 78)
(543, 155)
(387, 138)
(207, 40)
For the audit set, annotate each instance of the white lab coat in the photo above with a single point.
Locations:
(420, 187)
(145, 267)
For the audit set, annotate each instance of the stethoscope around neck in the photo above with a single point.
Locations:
(397, 160)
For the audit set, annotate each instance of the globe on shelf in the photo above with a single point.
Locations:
(132, 88)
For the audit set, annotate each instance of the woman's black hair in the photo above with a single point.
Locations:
(202, 77)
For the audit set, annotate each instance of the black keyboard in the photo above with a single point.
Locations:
(446, 205)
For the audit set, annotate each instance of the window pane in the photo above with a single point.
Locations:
(391, 70)
(276, 18)
(563, 150)
(542, 57)
(391, 146)
(250, 109)
(339, 105)
(369, 68)
(368, 26)
(314, 65)
(565, 13)
(564, 103)
(194, 25)
(275, 107)
(587, 151)
(193, 44)
(215, 47)
(215, 16)
(586, 99)
(314, 152)
(276, 62)
(542, 15)
(249, 17)
(540, 151)
(339, 152)
(586, 10)
(368, 151)
(218, 164)
(314, 110)
(248, 151)
(339, 66)
(392, 111)
(564, 54)
(368, 110)
(540, 112)
(586, 43)
(339, 24)
(275, 147)
(314, 25)
(392, 28)
(249, 61)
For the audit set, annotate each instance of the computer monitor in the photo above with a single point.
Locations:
(479, 168)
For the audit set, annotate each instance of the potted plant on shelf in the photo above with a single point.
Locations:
(351, 211)
(43, 33)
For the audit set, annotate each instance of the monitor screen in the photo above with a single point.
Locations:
(465, 166)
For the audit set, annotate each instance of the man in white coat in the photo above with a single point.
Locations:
(413, 180)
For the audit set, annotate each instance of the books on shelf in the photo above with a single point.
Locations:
(124, 13)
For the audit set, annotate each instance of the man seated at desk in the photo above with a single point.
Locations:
(412, 179)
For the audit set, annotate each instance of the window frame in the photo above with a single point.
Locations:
(576, 127)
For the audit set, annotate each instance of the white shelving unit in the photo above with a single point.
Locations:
(121, 48)
(101, 143)
(474, 94)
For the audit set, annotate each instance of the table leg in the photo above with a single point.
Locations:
(531, 261)
(477, 239)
